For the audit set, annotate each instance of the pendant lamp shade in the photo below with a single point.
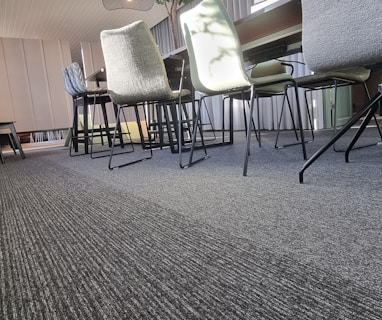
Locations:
(141, 5)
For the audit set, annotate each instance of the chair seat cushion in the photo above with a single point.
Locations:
(271, 84)
(183, 93)
(325, 79)
(96, 90)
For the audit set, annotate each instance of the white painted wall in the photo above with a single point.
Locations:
(31, 84)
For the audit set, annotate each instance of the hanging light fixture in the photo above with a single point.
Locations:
(141, 5)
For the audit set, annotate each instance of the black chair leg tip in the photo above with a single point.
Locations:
(301, 177)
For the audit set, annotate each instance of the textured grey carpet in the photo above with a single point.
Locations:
(152, 241)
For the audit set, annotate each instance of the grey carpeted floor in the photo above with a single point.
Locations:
(152, 241)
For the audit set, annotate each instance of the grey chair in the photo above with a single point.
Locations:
(136, 76)
(216, 61)
(346, 34)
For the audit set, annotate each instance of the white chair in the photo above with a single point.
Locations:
(216, 61)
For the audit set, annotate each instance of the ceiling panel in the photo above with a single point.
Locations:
(70, 20)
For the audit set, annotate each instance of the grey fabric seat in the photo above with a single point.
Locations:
(136, 75)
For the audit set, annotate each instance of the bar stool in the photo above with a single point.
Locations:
(82, 96)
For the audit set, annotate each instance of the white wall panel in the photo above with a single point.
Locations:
(32, 84)
(38, 85)
(6, 104)
(57, 55)
(19, 81)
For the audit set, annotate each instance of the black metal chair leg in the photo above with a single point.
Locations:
(117, 132)
(248, 144)
(280, 119)
(1, 155)
(300, 122)
(245, 118)
(361, 129)
(196, 125)
(258, 120)
(376, 123)
(294, 123)
(339, 134)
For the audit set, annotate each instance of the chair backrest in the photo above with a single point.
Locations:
(77, 77)
(214, 49)
(134, 66)
(341, 34)
(68, 83)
